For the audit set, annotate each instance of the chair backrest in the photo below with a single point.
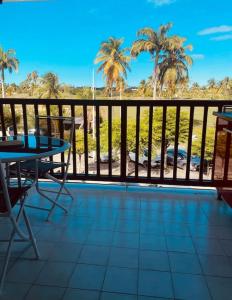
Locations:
(58, 127)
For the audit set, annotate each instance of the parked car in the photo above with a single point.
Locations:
(182, 159)
(143, 159)
(104, 157)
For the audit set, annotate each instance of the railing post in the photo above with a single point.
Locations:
(123, 140)
(2, 117)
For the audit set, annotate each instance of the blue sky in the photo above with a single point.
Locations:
(63, 36)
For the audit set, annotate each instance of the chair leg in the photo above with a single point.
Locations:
(32, 238)
(55, 203)
(7, 258)
(69, 193)
(51, 200)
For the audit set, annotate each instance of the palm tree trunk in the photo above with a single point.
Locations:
(155, 77)
(154, 87)
(2, 83)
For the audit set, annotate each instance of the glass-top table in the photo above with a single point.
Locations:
(22, 147)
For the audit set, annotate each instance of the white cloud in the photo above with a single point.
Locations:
(198, 56)
(224, 37)
(161, 2)
(218, 29)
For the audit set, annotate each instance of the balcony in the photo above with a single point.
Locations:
(121, 240)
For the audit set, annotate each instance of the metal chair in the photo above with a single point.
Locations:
(9, 197)
(58, 127)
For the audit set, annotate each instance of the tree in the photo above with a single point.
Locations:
(120, 86)
(114, 62)
(142, 89)
(7, 62)
(170, 132)
(50, 86)
(8, 117)
(34, 79)
(155, 43)
(86, 93)
(80, 148)
(212, 88)
(209, 143)
(10, 91)
(30, 84)
(175, 63)
(116, 136)
(225, 86)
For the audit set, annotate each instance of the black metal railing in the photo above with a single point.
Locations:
(148, 133)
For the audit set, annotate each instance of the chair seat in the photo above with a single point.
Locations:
(15, 193)
(43, 166)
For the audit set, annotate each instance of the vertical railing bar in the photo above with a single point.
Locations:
(150, 141)
(36, 113)
(48, 112)
(137, 141)
(98, 140)
(74, 153)
(12, 108)
(123, 141)
(190, 134)
(110, 138)
(215, 144)
(36, 124)
(2, 120)
(177, 127)
(163, 143)
(60, 109)
(227, 154)
(48, 119)
(86, 150)
(204, 130)
(25, 125)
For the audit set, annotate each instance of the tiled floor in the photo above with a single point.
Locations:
(135, 244)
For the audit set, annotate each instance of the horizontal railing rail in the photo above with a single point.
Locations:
(142, 141)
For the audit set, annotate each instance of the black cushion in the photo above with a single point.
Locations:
(15, 193)
(43, 166)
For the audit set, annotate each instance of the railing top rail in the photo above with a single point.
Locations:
(76, 102)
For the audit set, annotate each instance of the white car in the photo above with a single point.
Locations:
(143, 159)
(32, 131)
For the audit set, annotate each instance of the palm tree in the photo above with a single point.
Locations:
(120, 86)
(114, 61)
(175, 63)
(195, 90)
(50, 86)
(142, 88)
(213, 88)
(34, 77)
(153, 42)
(7, 62)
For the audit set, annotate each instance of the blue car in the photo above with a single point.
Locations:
(182, 159)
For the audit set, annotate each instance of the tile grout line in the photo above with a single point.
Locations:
(202, 271)
(108, 260)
